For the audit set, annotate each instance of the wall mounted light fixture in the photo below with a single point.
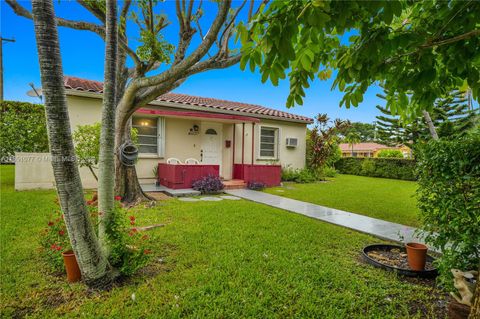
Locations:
(194, 130)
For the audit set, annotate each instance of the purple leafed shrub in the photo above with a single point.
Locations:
(208, 184)
(256, 186)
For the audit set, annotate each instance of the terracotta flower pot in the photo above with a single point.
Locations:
(71, 266)
(416, 255)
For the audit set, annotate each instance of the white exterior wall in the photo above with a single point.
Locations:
(286, 156)
(37, 173)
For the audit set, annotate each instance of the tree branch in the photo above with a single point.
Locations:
(125, 8)
(429, 45)
(93, 9)
(250, 10)
(176, 71)
(146, 95)
(186, 32)
(230, 23)
(77, 25)
(151, 93)
(451, 40)
(99, 14)
(213, 63)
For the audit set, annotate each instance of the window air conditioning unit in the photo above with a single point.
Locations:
(292, 142)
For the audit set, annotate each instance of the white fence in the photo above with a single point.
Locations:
(34, 171)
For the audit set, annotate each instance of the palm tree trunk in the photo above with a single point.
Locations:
(106, 164)
(430, 125)
(92, 262)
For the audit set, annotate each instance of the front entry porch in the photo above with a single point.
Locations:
(197, 144)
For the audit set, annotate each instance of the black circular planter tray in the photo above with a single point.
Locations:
(402, 271)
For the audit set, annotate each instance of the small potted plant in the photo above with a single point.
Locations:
(416, 255)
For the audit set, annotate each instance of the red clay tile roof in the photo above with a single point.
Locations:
(364, 147)
(216, 104)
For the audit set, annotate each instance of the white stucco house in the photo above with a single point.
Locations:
(239, 139)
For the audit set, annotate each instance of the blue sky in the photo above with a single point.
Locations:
(83, 52)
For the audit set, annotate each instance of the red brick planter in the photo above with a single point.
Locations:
(177, 176)
(270, 175)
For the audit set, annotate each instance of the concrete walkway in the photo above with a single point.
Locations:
(372, 226)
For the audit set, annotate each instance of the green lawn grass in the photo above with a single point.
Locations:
(225, 259)
(388, 199)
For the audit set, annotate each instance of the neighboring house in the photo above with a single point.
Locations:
(371, 149)
(212, 131)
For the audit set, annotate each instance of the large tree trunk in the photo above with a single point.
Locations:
(475, 310)
(106, 164)
(93, 264)
(430, 125)
(126, 180)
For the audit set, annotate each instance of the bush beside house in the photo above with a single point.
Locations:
(304, 175)
(208, 185)
(22, 128)
(396, 168)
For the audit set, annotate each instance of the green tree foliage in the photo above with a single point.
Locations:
(449, 201)
(153, 45)
(352, 138)
(452, 116)
(22, 128)
(87, 146)
(390, 154)
(424, 49)
(365, 131)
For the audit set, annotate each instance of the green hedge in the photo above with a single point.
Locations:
(22, 128)
(396, 168)
(449, 201)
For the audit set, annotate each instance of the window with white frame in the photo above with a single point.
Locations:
(151, 135)
(268, 142)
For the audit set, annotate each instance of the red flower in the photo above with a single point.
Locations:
(147, 251)
(59, 248)
(61, 232)
(118, 198)
(132, 218)
(53, 247)
(145, 237)
(132, 222)
(134, 230)
(50, 223)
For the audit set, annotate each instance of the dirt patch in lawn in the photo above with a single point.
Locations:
(159, 196)
(394, 258)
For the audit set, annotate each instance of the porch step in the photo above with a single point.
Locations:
(235, 184)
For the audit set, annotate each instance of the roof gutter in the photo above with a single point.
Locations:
(191, 107)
